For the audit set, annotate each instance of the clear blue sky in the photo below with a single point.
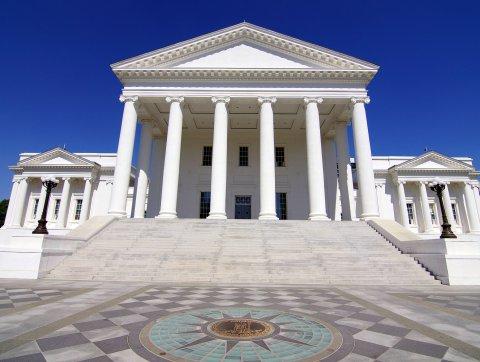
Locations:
(57, 87)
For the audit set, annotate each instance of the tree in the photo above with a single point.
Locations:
(3, 211)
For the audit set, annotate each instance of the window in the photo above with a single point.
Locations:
(56, 208)
(204, 204)
(411, 213)
(433, 213)
(281, 204)
(455, 214)
(243, 156)
(280, 156)
(78, 209)
(35, 208)
(207, 156)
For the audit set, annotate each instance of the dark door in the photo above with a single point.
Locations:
(243, 207)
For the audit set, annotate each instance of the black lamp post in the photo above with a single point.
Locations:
(437, 186)
(49, 183)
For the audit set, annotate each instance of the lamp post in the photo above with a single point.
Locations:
(49, 183)
(438, 186)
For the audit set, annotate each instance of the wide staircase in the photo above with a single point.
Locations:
(191, 251)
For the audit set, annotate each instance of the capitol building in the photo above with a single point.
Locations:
(243, 123)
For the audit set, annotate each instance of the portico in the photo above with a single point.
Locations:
(246, 86)
(263, 125)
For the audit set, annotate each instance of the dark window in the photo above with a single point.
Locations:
(56, 209)
(207, 156)
(35, 208)
(280, 156)
(454, 211)
(410, 213)
(243, 156)
(204, 204)
(281, 204)
(78, 209)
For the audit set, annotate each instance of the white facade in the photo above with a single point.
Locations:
(246, 120)
(85, 183)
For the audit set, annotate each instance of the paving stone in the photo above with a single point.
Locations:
(428, 349)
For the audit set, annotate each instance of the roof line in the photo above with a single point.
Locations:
(251, 26)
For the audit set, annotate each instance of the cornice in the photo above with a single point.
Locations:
(344, 76)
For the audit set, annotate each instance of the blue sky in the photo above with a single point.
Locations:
(57, 87)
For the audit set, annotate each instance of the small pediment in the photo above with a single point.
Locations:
(56, 157)
(243, 46)
(433, 161)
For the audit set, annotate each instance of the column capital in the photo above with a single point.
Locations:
(308, 100)
(271, 100)
(365, 100)
(88, 178)
(401, 182)
(125, 99)
(174, 99)
(216, 100)
(379, 184)
(66, 178)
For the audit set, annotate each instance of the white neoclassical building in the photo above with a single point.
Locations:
(245, 123)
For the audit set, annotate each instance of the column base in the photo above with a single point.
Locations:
(268, 216)
(117, 213)
(369, 216)
(217, 216)
(167, 215)
(318, 217)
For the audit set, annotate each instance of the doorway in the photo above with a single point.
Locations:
(243, 207)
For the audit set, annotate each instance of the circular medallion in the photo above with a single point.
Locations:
(241, 328)
(251, 334)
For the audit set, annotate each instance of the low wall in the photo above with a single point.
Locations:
(452, 261)
(31, 256)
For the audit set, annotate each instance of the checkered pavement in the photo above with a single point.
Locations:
(103, 336)
(468, 303)
(14, 298)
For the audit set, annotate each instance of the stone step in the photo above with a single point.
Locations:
(242, 251)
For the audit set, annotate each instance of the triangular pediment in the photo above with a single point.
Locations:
(56, 157)
(244, 55)
(433, 161)
(243, 46)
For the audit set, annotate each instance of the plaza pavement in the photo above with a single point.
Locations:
(101, 321)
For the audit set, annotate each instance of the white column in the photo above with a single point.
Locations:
(267, 160)
(427, 217)
(345, 180)
(109, 185)
(171, 168)
(316, 186)
(363, 159)
(447, 203)
(41, 201)
(476, 190)
(219, 159)
(11, 202)
(156, 174)
(87, 198)
(118, 199)
(380, 191)
(141, 181)
(473, 222)
(20, 202)
(402, 203)
(330, 176)
(64, 203)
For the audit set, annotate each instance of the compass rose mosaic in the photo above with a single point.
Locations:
(240, 334)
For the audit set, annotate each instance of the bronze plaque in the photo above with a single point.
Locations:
(242, 328)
